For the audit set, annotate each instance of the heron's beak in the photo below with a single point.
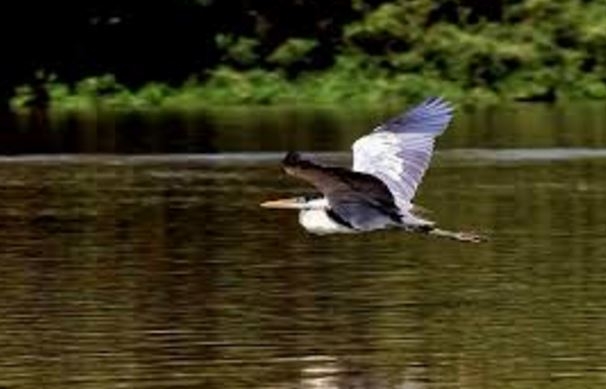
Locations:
(291, 203)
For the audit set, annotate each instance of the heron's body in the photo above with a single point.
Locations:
(377, 192)
(316, 218)
(319, 222)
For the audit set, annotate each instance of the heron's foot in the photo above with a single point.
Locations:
(464, 236)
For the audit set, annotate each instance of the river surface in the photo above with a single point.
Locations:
(134, 254)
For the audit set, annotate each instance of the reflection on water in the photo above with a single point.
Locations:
(157, 271)
(276, 130)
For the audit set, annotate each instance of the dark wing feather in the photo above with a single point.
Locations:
(431, 117)
(361, 199)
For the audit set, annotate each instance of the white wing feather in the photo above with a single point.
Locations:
(399, 151)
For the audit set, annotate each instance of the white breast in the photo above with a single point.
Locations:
(316, 221)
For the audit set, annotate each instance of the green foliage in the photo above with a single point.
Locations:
(392, 51)
(293, 51)
(390, 26)
(353, 81)
(238, 50)
(96, 86)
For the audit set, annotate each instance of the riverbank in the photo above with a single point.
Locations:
(227, 87)
(343, 85)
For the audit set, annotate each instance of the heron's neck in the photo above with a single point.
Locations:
(317, 204)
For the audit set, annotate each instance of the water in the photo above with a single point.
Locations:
(134, 254)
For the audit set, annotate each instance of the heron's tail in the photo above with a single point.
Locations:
(413, 220)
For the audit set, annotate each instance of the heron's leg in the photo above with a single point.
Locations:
(456, 235)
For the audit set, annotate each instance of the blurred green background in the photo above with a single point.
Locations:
(185, 53)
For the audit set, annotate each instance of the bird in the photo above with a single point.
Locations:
(377, 192)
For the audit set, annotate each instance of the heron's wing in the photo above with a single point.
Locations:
(399, 151)
(360, 199)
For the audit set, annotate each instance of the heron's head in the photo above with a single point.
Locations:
(299, 202)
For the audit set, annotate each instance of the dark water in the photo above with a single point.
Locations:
(134, 254)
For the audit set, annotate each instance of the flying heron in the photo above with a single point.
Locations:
(377, 193)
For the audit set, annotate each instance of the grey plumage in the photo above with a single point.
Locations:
(361, 200)
(388, 165)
